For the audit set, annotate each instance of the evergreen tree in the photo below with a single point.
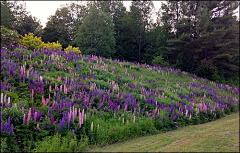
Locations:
(206, 37)
(140, 14)
(96, 34)
(7, 15)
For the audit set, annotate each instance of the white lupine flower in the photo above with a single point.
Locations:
(92, 126)
(1, 97)
(8, 100)
(5, 98)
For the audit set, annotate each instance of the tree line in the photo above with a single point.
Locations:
(200, 37)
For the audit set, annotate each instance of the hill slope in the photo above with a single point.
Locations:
(47, 91)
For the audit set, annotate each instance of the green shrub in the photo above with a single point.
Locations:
(15, 114)
(9, 37)
(57, 143)
(159, 60)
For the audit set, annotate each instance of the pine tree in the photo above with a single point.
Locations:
(96, 34)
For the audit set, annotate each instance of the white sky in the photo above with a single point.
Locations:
(43, 9)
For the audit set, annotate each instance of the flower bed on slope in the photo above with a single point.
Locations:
(91, 99)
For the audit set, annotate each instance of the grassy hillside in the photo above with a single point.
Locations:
(90, 100)
(216, 136)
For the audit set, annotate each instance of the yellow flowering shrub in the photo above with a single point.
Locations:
(36, 42)
(74, 49)
(53, 45)
(31, 41)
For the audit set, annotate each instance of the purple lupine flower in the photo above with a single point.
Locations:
(52, 120)
(48, 127)
(163, 120)
(11, 130)
(69, 122)
(16, 142)
(61, 125)
(39, 115)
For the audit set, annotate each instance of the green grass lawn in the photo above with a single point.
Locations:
(218, 136)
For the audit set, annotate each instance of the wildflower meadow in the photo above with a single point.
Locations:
(53, 100)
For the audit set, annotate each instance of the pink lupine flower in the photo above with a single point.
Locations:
(53, 103)
(22, 109)
(125, 108)
(29, 116)
(205, 107)
(134, 119)
(75, 112)
(47, 100)
(123, 120)
(80, 119)
(155, 111)
(50, 88)
(35, 116)
(32, 94)
(60, 88)
(82, 115)
(15, 105)
(27, 74)
(43, 101)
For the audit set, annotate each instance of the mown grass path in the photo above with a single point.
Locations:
(221, 135)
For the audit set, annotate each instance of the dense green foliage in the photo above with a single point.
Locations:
(95, 35)
(58, 144)
(9, 37)
(206, 38)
